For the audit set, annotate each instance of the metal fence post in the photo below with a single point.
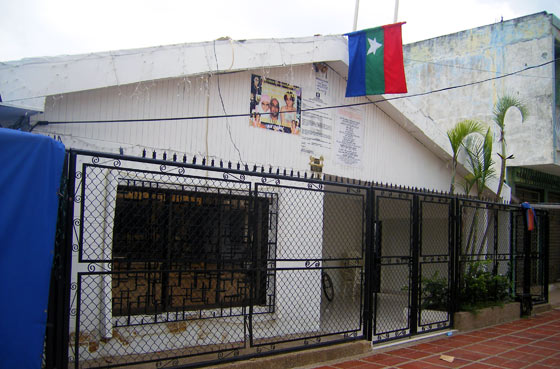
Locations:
(57, 332)
(55, 314)
(369, 274)
(62, 349)
(526, 300)
(455, 256)
(413, 264)
(545, 252)
(452, 256)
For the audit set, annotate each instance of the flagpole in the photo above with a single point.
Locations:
(356, 15)
(396, 11)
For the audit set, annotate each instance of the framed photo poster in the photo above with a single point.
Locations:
(275, 105)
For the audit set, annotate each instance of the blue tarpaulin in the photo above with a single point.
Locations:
(30, 172)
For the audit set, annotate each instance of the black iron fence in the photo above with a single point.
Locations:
(166, 263)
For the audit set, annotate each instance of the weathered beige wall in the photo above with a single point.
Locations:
(484, 53)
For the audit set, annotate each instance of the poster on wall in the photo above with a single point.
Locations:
(275, 105)
(317, 125)
(349, 136)
(321, 81)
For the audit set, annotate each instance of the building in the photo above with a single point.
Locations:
(519, 57)
(193, 80)
(250, 250)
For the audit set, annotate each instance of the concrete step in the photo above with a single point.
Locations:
(302, 358)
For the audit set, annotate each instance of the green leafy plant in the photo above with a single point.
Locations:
(435, 293)
(482, 288)
(479, 161)
(457, 136)
(499, 114)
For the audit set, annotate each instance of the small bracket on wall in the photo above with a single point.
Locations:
(316, 164)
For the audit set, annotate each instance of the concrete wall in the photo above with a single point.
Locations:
(484, 53)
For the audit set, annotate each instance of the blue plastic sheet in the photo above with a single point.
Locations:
(30, 172)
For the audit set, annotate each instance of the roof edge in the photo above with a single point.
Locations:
(39, 77)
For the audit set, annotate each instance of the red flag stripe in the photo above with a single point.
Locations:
(395, 81)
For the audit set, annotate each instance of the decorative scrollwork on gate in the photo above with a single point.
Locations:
(241, 177)
(92, 267)
(233, 353)
(167, 364)
(312, 264)
(317, 186)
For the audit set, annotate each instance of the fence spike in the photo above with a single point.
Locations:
(277, 171)
(284, 171)
(221, 163)
(144, 153)
(270, 169)
(262, 169)
(305, 175)
(194, 159)
(292, 173)
(184, 158)
(229, 164)
(246, 167)
(174, 156)
(254, 167)
(204, 161)
(154, 154)
(165, 155)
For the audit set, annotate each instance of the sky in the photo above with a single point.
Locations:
(36, 28)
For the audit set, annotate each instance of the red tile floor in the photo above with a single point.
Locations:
(526, 343)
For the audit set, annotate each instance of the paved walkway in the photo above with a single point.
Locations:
(527, 343)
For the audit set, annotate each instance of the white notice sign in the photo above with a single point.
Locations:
(349, 135)
(316, 128)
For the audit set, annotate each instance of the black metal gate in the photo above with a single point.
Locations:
(530, 256)
(413, 245)
(176, 264)
(169, 263)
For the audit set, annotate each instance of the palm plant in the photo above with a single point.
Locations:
(457, 136)
(480, 162)
(499, 113)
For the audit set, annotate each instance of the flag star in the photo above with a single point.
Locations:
(373, 46)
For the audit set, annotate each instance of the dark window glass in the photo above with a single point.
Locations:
(185, 250)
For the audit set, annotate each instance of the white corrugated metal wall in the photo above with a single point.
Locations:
(390, 154)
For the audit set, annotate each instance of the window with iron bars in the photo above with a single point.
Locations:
(177, 250)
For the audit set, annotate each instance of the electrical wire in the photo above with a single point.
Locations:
(302, 110)
(467, 68)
